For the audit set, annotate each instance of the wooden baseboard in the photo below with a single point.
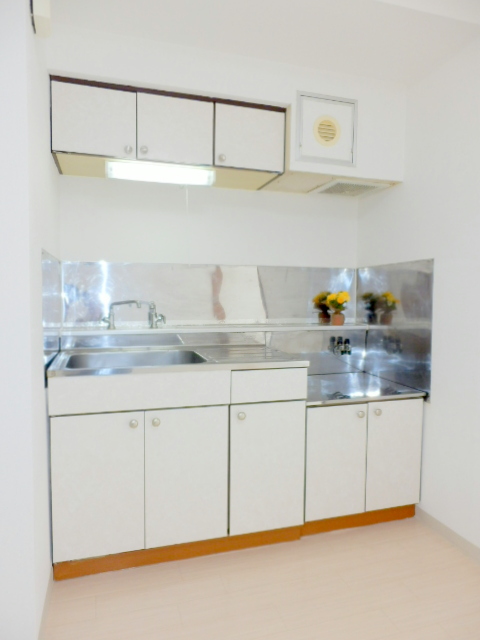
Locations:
(115, 562)
(77, 568)
(358, 520)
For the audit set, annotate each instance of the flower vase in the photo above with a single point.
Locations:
(324, 316)
(386, 318)
(338, 318)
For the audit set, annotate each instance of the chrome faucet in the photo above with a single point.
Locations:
(153, 317)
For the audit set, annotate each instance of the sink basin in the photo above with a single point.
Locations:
(131, 359)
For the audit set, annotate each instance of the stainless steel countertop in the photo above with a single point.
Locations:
(233, 357)
(354, 388)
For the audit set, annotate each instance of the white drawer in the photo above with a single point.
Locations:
(100, 394)
(269, 385)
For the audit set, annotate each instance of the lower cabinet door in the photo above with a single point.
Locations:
(394, 453)
(336, 461)
(97, 467)
(186, 475)
(267, 466)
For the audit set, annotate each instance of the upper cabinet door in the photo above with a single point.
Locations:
(93, 120)
(326, 130)
(175, 130)
(394, 453)
(249, 138)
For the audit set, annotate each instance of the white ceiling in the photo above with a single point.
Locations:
(375, 38)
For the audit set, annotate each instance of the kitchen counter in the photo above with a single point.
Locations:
(353, 388)
(238, 357)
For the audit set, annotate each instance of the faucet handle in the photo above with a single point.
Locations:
(159, 317)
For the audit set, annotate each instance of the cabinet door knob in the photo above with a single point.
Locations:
(133, 424)
(378, 412)
(241, 415)
(222, 157)
(361, 414)
(143, 149)
(156, 422)
(128, 149)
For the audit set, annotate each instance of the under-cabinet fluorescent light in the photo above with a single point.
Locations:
(156, 172)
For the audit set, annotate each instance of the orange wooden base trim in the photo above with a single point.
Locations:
(114, 562)
(358, 520)
(77, 568)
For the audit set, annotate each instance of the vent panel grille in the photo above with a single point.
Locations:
(326, 130)
(351, 187)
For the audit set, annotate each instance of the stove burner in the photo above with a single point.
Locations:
(391, 391)
(338, 395)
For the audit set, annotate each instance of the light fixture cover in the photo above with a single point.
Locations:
(159, 172)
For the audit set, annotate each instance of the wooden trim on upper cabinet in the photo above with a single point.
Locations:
(170, 94)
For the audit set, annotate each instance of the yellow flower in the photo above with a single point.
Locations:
(343, 297)
(331, 297)
(390, 298)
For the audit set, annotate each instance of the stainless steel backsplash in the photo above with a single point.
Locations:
(400, 351)
(52, 306)
(230, 295)
(198, 294)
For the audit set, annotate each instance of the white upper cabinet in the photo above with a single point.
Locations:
(394, 453)
(326, 129)
(93, 120)
(336, 461)
(249, 138)
(175, 130)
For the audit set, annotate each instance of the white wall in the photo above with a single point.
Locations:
(147, 63)
(44, 234)
(435, 214)
(27, 222)
(117, 220)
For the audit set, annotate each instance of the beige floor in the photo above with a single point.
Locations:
(395, 581)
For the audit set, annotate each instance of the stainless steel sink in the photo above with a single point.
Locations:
(132, 359)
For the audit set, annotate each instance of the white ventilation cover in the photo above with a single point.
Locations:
(345, 187)
(326, 130)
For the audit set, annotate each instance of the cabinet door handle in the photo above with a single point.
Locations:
(222, 157)
(241, 415)
(156, 422)
(133, 424)
(361, 414)
(128, 149)
(378, 412)
(144, 149)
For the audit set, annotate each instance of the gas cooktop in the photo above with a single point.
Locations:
(345, 388)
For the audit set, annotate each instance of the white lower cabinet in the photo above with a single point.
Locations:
(394, 453)
(336, 461)
(186, 475)
(267, 466)
(362, 457)
(97, 484)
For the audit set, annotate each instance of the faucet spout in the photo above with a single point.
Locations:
(153, 317)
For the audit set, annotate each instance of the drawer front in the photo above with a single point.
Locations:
(100, 394)
(269, 385)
